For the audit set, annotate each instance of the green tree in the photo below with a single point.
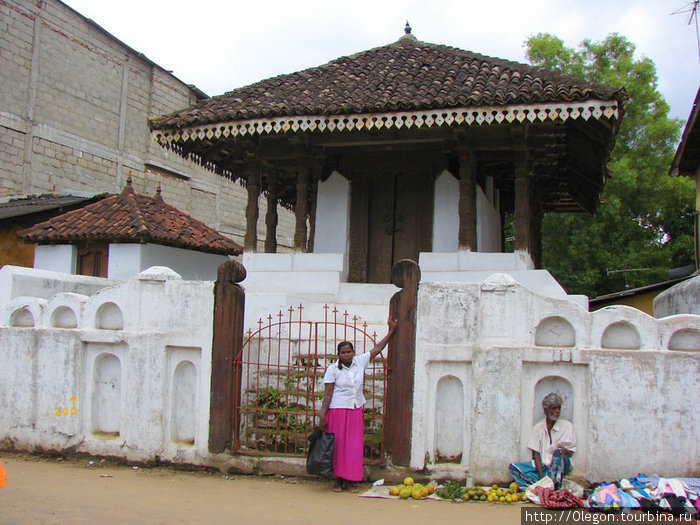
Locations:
(644, 221)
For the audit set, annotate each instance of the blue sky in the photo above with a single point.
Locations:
(222, 45)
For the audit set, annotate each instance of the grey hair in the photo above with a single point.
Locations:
(551, 400)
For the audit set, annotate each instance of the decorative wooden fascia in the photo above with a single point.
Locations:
(465, 116)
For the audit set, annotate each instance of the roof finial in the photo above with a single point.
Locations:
(158, 198)
(407, 28)
(128, 189)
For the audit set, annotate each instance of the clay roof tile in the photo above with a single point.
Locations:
(132, 217)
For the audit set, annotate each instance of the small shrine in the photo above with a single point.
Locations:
(122, 235)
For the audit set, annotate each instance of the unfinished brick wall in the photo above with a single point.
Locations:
(74, 105)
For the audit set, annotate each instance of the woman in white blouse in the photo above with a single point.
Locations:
(341, 413)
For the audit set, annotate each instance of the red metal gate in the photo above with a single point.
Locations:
(279, 382)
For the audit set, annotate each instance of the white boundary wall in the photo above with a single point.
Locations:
(490, 351)
(124, 372)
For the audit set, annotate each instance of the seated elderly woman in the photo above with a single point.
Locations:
(551, 442)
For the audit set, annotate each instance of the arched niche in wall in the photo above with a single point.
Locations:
(109, 317)
(558, 385)
(106, 395)
(449, 420)
(621, 335)
(22, 317)
(183, 405)
(64, 317)
(555, 331)
(685, 340)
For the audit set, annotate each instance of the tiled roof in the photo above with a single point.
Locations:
(404, 76)
(31, 204)
(132, 217)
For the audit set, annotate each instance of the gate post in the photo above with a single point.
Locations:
(229, 305)
(398, 408)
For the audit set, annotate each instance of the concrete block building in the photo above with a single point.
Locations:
(74, 107)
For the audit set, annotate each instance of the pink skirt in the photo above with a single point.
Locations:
(348, 448)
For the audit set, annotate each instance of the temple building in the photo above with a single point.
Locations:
(408, 151)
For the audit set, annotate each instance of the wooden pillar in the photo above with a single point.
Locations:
(467, 202)
(398, 407)
(316, 176)
(359, 227)
(536, 233)
(523, 210)
(251, 213)
(301, 209)
(229, 302)
(271, 218)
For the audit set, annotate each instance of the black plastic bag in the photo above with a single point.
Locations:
(319, 458)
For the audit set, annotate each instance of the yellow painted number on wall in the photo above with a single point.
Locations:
(73, 410)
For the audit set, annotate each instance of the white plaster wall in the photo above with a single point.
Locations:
(446, 217)
(18, 281)
(47, 375)
(332, 232)
(55, 257)
(473, 267)
(126, 260)
(683, 298)
(446, 214)
(274, 282)
(488, 223)
(492, 342)
(632, 408)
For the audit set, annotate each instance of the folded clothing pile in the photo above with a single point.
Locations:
(557, 499)
(653, 494)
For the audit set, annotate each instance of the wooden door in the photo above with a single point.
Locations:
(400, 221)
(92, 259)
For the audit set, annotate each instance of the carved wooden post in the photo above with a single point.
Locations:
(229, 305)
(398, 408)
(312, 211)
(271, 216)
(252, 212)
(301, 209)
(523, 213)
(467, 202)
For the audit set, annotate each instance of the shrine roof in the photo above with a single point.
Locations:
(407, 75)
(132, 217)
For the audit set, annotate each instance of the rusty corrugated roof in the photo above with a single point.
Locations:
(30, 204)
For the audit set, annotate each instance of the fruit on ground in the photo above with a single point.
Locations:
(408, 481)
(394, 491)
(405, 493)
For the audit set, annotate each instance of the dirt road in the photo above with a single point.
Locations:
(47, 491)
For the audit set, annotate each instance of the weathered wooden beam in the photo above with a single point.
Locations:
(252, 211)
(301, 209)
(229, 300)
(467, 202)
(523, 209)
(271, 218)
(400, 363)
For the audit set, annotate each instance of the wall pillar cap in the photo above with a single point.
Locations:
(159, 273)
(498, 281)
